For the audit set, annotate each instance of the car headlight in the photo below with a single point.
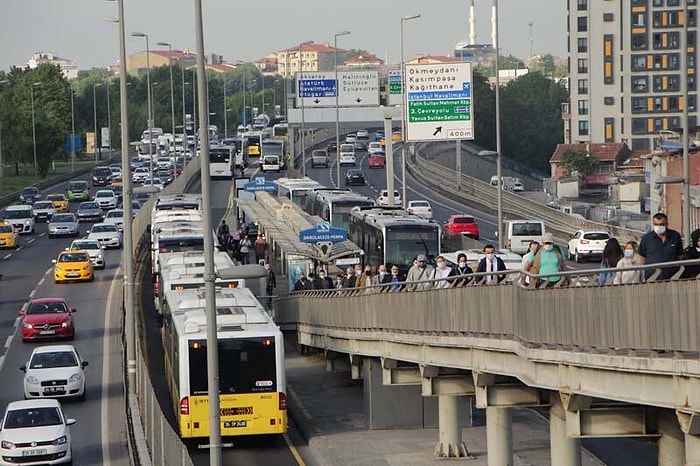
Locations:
(27, 325)
(115, 238)
(88, 267)
(67, 324)
(57, 269)
(27, 222)
(7, 445)
(60, 440)
(32, 380)
(75, 377)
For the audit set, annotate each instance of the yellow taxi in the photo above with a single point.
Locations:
(395, 137)
(73, 266)
(59, 201)
(9, 238)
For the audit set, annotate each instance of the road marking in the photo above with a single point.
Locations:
(31, 295)
(7, 256)
(31, 240)
(2, 361)
(41, 282)
(8, 342)
(298, 402)
(48, 271)
(104, 396)
(295, 452)
(41, 234)
(18, 319)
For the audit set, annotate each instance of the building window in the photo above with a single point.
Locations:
(658, 3)
(608, 17)
(639, 126)
(639, 63)
(608, 100)
(582, 43)
(582, 5)
(639, 104)
(582, 24)
(691, 103)
(583, 128)
(640, 2)
(672, 104)
(639, 42)
(639, 83)
(583, 65)
(583, 86)
(673, 61)
(673, 2)
(583, 107)
(692, 15)
(658, 105)
(639, 19)
(691, 83)
(640, 144)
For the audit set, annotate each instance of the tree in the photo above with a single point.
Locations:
(355, 53)
(547, 63)
(578, 161)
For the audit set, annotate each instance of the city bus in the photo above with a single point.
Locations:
(221, 162)
(279, 131)
(391, 236)
(252, 385)
(241, 153)
(334, 205)
(296, 189)
(253, 141)
(274, 155)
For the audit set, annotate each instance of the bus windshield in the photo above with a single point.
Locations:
(405, 243)
(272, 148)
(340, 212)
(219, 155)
(249, 366)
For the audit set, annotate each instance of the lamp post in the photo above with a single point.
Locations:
(337, 107)
(403, 117)
(499, 184)
(225, 110)
(148, 97)
(262, 81)
(244, 104)
(31, 89)
(184, 109)
(94, 113)
(72, 131)
(2, 168)
(303, 142)
(109, 122)
(172, 89)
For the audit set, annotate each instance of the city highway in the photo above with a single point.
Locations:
(99, 436)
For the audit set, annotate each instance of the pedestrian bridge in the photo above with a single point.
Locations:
(608, 361)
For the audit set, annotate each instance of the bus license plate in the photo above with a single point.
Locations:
(229, 424)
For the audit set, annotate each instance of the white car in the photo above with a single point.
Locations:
(140, 174)
(420, 208)
(115, 217)
(383, 199)
(106, 199)
(351, 138)
(21, 217)
(108, 235)
(34, 430)
(94, 249)
(54, 371)
(374, 146)
(347, 158)
(43, 210)
(587, 244)
(362, 134)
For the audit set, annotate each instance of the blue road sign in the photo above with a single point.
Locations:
(317, 88)
(260, 185)
(323, 233)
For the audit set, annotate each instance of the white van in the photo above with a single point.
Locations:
(519, 233)
(21, 216)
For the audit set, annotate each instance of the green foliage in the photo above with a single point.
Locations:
(355, 53)
(578, 161)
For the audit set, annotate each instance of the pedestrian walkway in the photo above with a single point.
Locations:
(328, 409)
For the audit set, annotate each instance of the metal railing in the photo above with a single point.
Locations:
(483, 196)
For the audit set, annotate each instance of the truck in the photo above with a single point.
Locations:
(273, 155)
(261, 122)
(509, 183)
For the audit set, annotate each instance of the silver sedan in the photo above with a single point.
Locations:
(65, 224)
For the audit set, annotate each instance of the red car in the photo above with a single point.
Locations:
(376, 161)
(47, 318)
(461, 224)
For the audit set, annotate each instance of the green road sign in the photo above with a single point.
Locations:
(394, 87)
(439, 110)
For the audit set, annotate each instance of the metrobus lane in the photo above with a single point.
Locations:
(99, 435)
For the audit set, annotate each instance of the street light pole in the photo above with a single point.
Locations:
(94, 113)
(148, 97)
(403, 118)
(184, 109)
(499, 184)
(72, 130)
(172, 89)
(31, 89)
(2, 168)
(225, 111)
(109, 122)
(337, 108)
(303, 141)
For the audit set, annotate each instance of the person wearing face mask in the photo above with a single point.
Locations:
(690, 253)
(442, 271)
(660, 244)
(381, 277)
(420, 271)
(395, 279)
(349, 279)
(491, 263)
(338, 285)
(365, 280)
(528, 259)
(358, 275)
(323, 281)
(548, 260)
(302, 284)
(612, 253)
(462, 269)
(630, 258)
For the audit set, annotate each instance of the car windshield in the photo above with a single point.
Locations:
(103, 228)
(102, 172)
(104, 194)
(62, 218)
(56, 307)
(354, 172)
(53, 359)
(30, 191)
(6, 229)
(464, 220)
(56, 197)
(115, 214)
(596, 236)
(74, 257)
(86, 245)
(77, 186)
(43, 205)
(419, 204)
(88, 206)
(32, 417)
(527, 229)
(19, 213)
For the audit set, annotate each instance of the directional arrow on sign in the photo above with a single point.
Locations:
(317, 101)
(358, 100)
(438, 130)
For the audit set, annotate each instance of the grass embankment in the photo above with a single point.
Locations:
(13, 182)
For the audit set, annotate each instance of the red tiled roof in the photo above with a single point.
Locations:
(602, 151)
(319, 48)
(177, 54)
(266, 60)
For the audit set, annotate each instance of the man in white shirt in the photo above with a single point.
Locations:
(491, 263)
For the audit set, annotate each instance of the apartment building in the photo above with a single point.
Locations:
(627, 69)
(308, 57)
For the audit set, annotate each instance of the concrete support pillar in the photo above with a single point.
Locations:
(671, 443)
(450, 443)
(499, 436)
(564, 450)
(692, 450)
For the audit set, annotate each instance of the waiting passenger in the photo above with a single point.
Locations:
(548, 260)
(420, 271)
(630, 258)
(491, 263)
(349, 279)
(324, 282)
(395, 279)
(527, 261)
(302, 284)
(661, 244)
(612, 253)
(463, 269)
(690, 253)
(442, 271)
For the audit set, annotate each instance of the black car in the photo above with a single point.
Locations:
(360, 145)
(29, 195)
(101, 176)
(354, 176)
(332, 147)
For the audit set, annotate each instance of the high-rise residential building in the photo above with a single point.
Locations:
(627, 69)
(69, 68)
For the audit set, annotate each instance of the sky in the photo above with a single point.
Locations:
(79, 29)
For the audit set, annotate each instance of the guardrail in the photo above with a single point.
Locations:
(485, 197)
